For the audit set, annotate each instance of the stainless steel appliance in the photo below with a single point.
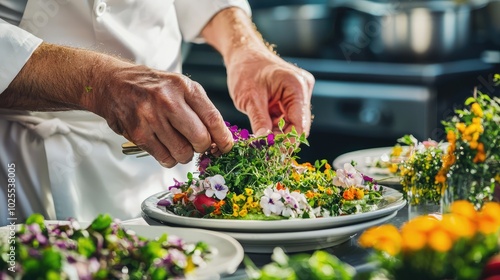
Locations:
(361, 102)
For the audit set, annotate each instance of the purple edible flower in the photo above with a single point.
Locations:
(244, 134)
(177, 185)
(367, 178)
(270, 139)
(203, 164)
(164, 202)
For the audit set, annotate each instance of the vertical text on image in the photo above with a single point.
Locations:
(11, 209)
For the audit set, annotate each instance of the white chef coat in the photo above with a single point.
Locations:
(69, 164)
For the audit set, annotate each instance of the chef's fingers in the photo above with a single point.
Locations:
(180, 148)
(148, 141)
(255, 105)
(199, 102)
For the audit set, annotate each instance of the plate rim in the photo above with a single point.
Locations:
(148, 207)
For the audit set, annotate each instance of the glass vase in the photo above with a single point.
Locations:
(466, 187)
(419, 204)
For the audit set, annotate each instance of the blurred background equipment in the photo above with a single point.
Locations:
(383, 68)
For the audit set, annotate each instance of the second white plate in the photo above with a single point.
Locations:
(365, 160)
(393, 201)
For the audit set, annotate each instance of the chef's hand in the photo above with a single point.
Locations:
(166, 114)
(267, 89)
(261, 84)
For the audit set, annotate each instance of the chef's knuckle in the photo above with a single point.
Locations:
(213, 118)
(183, 153)
(202, 141)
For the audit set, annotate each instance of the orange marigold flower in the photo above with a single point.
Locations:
(440, 241)
(464, 208)
(217, 206)
(491, 212)
(280, 186)
(180, 196)
(440, 177)
(310, 194)
(349, 194)
(480, 147)
(329, 191)
(473, 144)
(476, 110)
(457, 226)
(460, 126)
(422, 224)
(413, 240)
(450, 136)
(479, 157)
(384, 238)
(328, 166)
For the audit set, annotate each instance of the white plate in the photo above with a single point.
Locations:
(229, 252)
(393, 201)
(298, 241)
(228, 256)
(365, 160)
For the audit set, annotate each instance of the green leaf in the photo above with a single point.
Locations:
(86, 247)
(36, 219)
(281, 124)
(102, 222)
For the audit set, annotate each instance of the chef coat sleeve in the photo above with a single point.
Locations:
(16, 47)
(193, 15)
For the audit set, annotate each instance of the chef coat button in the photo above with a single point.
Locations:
(100, 9)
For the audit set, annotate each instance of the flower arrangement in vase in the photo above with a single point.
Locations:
(471, 165)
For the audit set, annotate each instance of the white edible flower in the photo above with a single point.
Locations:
(217, 186)
(271, 202)
(347, 177)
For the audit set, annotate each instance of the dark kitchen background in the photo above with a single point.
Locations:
(383, 69)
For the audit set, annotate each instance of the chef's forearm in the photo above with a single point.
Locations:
(55, 78)
(231, 30)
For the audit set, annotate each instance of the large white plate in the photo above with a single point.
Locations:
(228, 256)
(365, 160)
(393, 201)
(298, 241)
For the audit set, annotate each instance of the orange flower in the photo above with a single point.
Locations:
(180, 196)
(384, 238)
(476, 110)
(349, 194)
(217, 206)
(489, 218)
(424, 224)
(413, 240)
(280, 186)
(458, 226)
(463, 208)
(310, 194)
(440, 241)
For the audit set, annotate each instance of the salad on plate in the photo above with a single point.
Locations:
(261, 179)
(103, 250)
